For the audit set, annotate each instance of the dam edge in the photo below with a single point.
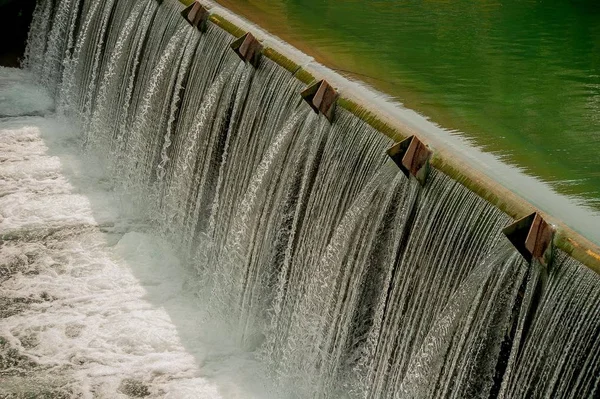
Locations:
(444, 160)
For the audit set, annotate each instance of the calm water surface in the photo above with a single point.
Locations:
(520, 78)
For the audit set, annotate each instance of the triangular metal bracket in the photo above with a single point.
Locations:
(321, 97)
(532, 237)
(248, 48)
(412, 157)
(197, 16)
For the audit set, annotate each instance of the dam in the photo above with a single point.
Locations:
(190, 208)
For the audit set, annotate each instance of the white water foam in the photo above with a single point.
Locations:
(92, 304)
(20, 96)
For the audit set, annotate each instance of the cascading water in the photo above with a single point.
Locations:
(342, 276)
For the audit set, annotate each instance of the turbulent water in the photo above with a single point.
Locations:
(183, 225)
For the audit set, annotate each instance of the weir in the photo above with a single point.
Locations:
(352, 258)
(450, 163)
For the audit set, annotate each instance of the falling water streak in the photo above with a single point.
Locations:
(121, 124)
(553, 347)
(161, 121)
(428, 365)
(321, 307)
(101, 114)
(270, 235)
(234, 252)
(67, 96)
(68, 59)
(175, 103)
(265, 168)
(533, 279)
(473, 363)
(93, 78)
(182, 159)
(348, 338)
(63, 22)
(282, 281)
(257, 118)
(361, 371)
(37, 37)
(220, 179)
(236, 87)
(284, 345)
(164, 25)
(138, 142)
(184, 165)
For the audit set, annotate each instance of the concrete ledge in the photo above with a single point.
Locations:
(444, 160)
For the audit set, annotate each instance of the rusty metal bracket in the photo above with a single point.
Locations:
(412, 157)
(197, 16)
(321, 97)
(248, 48)
(532, 237)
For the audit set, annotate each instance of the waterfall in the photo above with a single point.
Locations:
(342, 275)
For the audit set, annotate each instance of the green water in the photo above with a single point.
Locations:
(519, 78)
